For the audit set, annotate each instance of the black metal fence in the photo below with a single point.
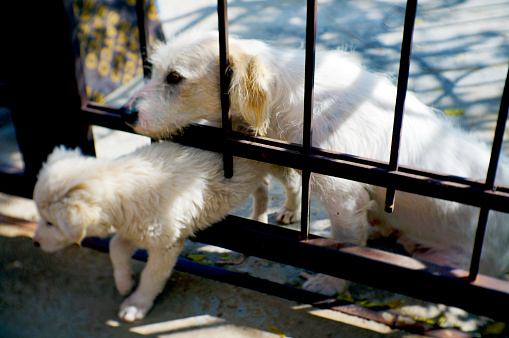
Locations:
(468, 290)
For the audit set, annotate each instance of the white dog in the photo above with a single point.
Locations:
(353, 114)
(155, 198)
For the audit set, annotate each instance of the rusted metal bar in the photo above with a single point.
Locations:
(401, 274)
(490, 180)
(307, 130)
(404, 68)
(224, 57)
(365, 171)
(408, 179)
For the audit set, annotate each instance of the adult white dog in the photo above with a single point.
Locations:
(353, 114)
(155, 198)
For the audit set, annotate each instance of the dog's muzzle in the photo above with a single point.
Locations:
(129, 113)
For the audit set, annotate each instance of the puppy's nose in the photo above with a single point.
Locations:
(36, 244)
(130, 113)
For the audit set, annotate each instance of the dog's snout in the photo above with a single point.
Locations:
(130, 113)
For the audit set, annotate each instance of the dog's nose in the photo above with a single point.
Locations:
(36, 244)
(130, 113)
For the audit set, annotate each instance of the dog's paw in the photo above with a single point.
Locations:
(133, 309)
(264, 217)
(287, 216)
(325, 285)
(124, 283)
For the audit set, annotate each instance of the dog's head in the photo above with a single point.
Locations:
(66, 203)
(185, 86)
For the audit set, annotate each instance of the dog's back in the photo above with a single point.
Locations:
(164, 183)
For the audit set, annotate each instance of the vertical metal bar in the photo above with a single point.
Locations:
(306, 196)
(308, 110)
(225, 74)
(404, 67)
(309, 79)
(478, 243)
(499, 135)
(142, 23)
(490, 180)
(143, 35)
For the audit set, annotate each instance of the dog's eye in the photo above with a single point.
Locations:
(49, 224)
(173, 78)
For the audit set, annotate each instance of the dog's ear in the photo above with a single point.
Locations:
(250, 89)
(61, 152)
(81, 210)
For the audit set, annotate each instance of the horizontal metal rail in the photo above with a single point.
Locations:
(367, 266)
(407, 179)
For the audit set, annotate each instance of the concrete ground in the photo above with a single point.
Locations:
(459, 64)
(72, 294)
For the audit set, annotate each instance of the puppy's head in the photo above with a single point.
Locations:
(185, 86)
(67, 203)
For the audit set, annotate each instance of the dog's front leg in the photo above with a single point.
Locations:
(261, 202)
(121, 251)
(153, 278)
(347, 205)
(291, 181)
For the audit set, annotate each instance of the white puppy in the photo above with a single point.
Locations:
(353, 114)
(155, 198)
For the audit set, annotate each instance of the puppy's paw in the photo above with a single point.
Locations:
(325, 285)
(124, 282)
(287, 216)
(133, 309)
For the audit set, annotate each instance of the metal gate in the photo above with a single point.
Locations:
(379, 269)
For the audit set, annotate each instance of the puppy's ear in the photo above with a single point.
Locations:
(250, 90)
(81, 211)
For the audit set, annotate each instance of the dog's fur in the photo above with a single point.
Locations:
(353, 114)
(155, 198)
